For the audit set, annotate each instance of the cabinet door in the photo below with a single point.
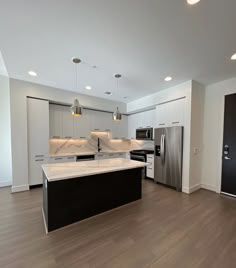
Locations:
(177, 112)
(55, 121)
(120, 128)
(101, 156)
(67, 123)
(82, 125)
(38, 127)
(35, 170)
(162, 114)
(131, 127)
(150, 168)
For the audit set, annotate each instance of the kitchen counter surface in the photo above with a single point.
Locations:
(87, 153)
(63, 171)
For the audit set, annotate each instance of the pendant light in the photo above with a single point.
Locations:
(117, 116)
(76, 109)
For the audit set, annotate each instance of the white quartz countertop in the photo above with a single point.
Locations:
(62, 171)
(87, 153)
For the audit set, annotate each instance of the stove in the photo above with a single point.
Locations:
(142, 152)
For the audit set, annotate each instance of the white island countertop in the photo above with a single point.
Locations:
(62, 171)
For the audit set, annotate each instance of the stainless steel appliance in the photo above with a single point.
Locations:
(80, 158)
(144, 134)
(168, 156)
(141, 155)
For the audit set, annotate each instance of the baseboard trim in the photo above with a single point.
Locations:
(208, 187)
(20, 188)
(192, 189)
(5, 183)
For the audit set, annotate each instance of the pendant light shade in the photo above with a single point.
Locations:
(76, 109)
(117, 116)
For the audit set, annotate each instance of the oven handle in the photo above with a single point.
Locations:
(133, 157)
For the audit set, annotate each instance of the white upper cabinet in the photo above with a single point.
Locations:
(38, 127)
(82, 125)
(55, 121)
(64, 125)
(120, 128)
(177, 112)
(170, 113)
(140, 120)
(67, 123)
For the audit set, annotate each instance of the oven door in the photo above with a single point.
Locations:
(140, 158)
(144, 134)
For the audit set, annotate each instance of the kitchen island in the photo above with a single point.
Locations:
(79, 190)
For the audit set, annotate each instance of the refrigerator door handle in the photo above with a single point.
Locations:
(163, 149)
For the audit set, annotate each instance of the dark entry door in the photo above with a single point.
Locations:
(229, 147)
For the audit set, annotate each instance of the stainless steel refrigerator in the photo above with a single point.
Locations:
(168, 156)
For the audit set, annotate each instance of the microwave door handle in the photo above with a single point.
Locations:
(147, 133)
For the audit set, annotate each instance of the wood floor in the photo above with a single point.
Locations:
(164, 229)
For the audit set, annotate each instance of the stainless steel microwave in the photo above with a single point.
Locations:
(144, 134)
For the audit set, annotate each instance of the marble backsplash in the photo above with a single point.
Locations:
(64, 146)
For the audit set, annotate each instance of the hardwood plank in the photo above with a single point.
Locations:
(164, 229)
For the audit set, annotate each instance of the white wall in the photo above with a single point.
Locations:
(196, 136)
(166, 95)
(19, 90)
(5, 133)
(213, 133)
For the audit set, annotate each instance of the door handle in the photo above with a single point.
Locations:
(227, 158)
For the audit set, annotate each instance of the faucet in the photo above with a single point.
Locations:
(99, 148)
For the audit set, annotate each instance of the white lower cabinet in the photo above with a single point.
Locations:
(35, 170)
(109, 155)
(101, 156)
(35, 167)
(150, 168)
(62, 159)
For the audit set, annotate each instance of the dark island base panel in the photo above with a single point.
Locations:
(71, 200)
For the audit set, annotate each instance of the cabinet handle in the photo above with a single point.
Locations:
(162, 124)
(175, 122)
(107, 130)
(68, 137)
(148, 126)
(39, 155)
(82, 137)
(96, 129)
(56, 137)
(39, 160)
(58, 158)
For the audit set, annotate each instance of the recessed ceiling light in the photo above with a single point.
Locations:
(32, 73)
(193, 2)
(168, 78)
(88, 87)
(233, 57)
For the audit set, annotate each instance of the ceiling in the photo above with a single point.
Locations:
(145, 41)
